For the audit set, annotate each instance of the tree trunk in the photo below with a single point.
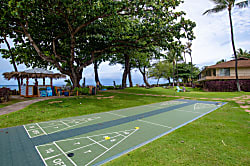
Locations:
(173, 72)
(234, 50)
(177, 75)
(185, 56)
(13, 62)
(96, 73)
(125, 72)
(144, 75)
(75, 78)
(191, 69)
(130, 77)
(158, 81)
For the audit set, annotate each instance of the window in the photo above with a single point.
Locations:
(208, 72)
(225, 72)
(214, 72)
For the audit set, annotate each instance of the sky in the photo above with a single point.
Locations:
(212, 43)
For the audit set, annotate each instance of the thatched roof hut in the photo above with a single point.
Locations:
(33, 90)
(33, 73)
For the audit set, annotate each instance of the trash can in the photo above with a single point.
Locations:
(92, 90)
(66, 93)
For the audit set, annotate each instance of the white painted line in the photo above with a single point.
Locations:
(90, 144)
(202, 105)
(190, 111)
(65, 124)
(26, 131)
(94, 135)
(155, 124)
(115, 114)
(98, 143)
(77, 148)
(65, 154)
(53, 156)
(41, 129)
(110, 148)
(45, 145)
(40, 156)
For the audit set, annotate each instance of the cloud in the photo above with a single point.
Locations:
(213, 39)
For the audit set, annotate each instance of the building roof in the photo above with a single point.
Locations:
(33, 73)
(242, 62)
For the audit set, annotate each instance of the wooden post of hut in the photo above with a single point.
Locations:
(27, 86)
(44, 81)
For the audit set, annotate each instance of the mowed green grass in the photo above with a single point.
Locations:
(193, 93)
(219, 138)
(74, 106)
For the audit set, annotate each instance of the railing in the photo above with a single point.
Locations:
(223, 77)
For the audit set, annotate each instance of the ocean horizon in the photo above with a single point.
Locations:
(105, 82)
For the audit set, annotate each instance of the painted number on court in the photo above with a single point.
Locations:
(59, 161)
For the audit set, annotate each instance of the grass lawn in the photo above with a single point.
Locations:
(75, 106)
(219, 138)
(194, 93)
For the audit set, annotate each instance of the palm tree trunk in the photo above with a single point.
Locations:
(177, 74)
(191, 69)
(234, 50)
(173, 73)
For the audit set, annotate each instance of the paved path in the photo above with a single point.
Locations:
(20, 105)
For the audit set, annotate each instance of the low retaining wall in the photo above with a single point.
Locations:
(226, 85)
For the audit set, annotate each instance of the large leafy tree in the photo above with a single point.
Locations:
(69, 35)
(221, 5)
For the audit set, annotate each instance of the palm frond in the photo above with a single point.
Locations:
(243, 4)
(216, 9)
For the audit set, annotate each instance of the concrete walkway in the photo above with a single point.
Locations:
(20, 105)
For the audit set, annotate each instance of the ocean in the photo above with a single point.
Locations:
(105, 82)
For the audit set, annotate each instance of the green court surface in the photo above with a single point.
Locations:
(97, 138)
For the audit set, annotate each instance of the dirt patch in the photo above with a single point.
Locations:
(109, 97)
(52, 102)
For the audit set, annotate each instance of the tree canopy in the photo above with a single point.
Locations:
(69, 35)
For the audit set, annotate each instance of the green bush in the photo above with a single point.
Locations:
(108, 87)
(82, 91)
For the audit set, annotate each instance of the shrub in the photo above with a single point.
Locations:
(82, 91)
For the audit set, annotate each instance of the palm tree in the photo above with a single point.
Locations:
(171, 58)
(189, 51)
(221, 5)
(241, 53)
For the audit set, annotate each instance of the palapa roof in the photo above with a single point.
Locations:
(33, 73)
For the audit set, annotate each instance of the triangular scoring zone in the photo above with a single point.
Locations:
(86, 149)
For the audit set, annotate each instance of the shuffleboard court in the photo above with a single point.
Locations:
(97, 138)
